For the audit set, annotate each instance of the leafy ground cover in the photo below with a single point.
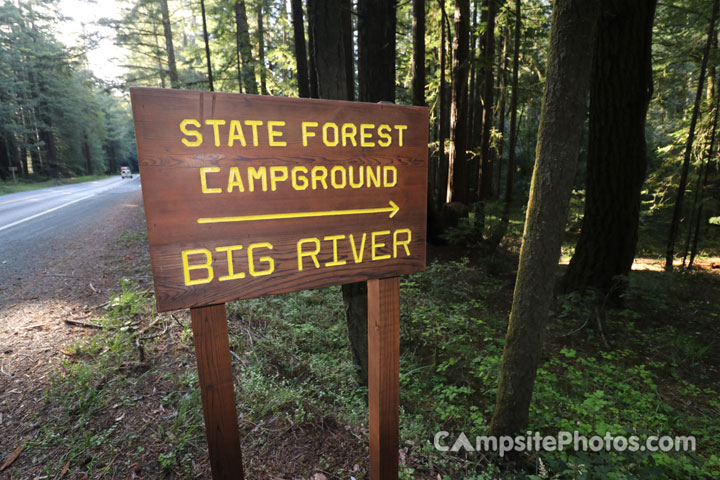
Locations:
(22, 186)
(125, 403)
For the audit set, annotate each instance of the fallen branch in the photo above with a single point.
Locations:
(88, 325)
(12, 457)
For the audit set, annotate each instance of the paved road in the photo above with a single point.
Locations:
(38, 224)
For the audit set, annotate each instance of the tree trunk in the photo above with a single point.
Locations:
(300, 50)
(172, 68)
(312, 74)
(86, 154)
(620, 91)
(513, 108)
(376, 50)
(261, 49)
(376, 75)
(559, 136)
(418, 73)
(700, 197)
(677, 210)
(458, 187)
(207, 47)
(443, 190)
(346, 8)
(486, 153)
(501, 110)
(242, 37)
(329, 56)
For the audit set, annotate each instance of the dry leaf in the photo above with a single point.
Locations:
(12, 457)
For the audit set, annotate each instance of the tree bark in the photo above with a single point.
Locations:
(443, 190)
(513, 107)
(682, 185)
(458, 186)
(261, 49)
(329, 56)
(300, 50)
(486, 153)
(242, 33)
(560, 133)
(207, 47)
(502, 105)
(376, 50)
(346, 8)
(172, 68)
(418, 73)
(620, 91)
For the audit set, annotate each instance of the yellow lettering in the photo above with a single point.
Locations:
(216, 130)
(198, 136)
(269, 260)
(366, 136)
(335, 261)
(389, 169)
(236, 133)
(272, 134)
(349, 131)
(373, 178)
(277, 174)
(257, 174)
(203, 179)
(405, 243)
(254, 124)
(358, 254)
(299, 182)
(335, 140)
(306, 133)
(333, 177)
(313, 254)
(384, 134)
(231, 268)
(319, 174)
(359, 183)
(400, 129)
(200, 266)
(235, 180)
(377, 246)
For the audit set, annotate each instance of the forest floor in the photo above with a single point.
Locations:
(23, 186)
(115, 395)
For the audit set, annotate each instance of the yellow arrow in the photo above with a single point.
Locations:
(392, 209)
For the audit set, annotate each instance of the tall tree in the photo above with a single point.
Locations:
(300, 50)
(443, 124)
(167, 31)
(376, 75)
(418, 74)
(242, 33)
(559, 137)
(486, 152)
(620, 92)
(682, 185)
(458, 186)
(513, 107)
(207, 47)
(261, 49)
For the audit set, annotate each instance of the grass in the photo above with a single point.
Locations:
(22, 186)
(643, 368)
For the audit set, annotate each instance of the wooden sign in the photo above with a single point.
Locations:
(250, 195)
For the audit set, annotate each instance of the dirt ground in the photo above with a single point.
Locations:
(72, 282)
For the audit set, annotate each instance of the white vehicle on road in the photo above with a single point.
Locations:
(125, 172)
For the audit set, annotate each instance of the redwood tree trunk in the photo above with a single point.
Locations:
(261, 49)
(458, 186)
(677, 210)
(243, 46)
(207, 47)
(172, 68)
(486, 153)
(620, 91)
(300, 50)
(558, 145)
(418, 74)
(513, 108)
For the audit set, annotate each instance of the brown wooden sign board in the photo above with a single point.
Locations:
(250, 195)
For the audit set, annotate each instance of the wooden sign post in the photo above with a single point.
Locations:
(248, 196)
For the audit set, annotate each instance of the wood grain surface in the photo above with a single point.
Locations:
(324, 231)
(212, 351)
(384, 376)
